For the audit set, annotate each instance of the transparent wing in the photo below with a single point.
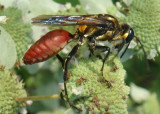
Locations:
(70, 20)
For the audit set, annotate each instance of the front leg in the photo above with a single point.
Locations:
(104, 49)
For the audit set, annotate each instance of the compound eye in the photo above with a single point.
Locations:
(130, 35)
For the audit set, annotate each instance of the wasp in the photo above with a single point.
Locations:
(92, 29)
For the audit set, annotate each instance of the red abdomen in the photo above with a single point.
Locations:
(47, 46)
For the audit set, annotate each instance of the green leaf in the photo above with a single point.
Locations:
(7, 3)
(96, 6)
(23, 5)
(8, 52)
(151, 106)
(19, 31)
(73, 2)
(45, 7)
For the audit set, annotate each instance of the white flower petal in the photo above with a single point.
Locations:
(138, 94)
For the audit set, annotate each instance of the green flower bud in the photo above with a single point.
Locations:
(86, 86)
(10, 88)
(18, 30)
(144, 18)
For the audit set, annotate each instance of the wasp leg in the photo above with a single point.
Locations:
(65, 70)
(61, 95)
(62, 62)
(103, 49)
(125, 50)
(91, 52)
(60, 59)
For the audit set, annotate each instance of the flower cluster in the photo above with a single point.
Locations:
(86, 86)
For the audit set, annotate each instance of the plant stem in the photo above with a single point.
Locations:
(35, 98)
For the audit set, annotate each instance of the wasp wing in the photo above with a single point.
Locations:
(70, 20)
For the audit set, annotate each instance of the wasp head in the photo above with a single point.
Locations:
(127, 32)
(130, 35)
(123, 35)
